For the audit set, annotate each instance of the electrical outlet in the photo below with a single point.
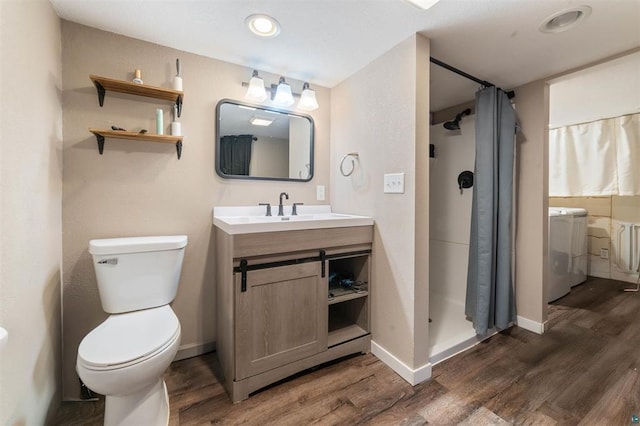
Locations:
(604, 253)
(394, 183)
(320, 192)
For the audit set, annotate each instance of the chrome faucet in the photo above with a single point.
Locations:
(280, 206)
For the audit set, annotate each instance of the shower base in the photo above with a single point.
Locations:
(449, 332)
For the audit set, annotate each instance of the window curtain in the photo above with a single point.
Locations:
(596, 158)
(235, 154)
(628, 154)
(490, 299)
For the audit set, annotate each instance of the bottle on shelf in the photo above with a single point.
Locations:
(159, 121)
(138, 77)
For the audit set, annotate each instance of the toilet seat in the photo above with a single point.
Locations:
(130, 338)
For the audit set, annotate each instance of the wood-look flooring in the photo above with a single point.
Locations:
(583, 370)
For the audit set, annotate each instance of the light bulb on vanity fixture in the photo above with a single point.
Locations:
(281, 93)
(308, 100)
(256, 91)
(283, 96)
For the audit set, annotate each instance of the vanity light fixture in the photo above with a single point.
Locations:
(260, 121)
(263, 25)
(308, 100)
(565, 19)
(256, 91)
(283, 95)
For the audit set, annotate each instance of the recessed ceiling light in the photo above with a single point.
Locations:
(263, 25)
(423, 4)
(565, 19)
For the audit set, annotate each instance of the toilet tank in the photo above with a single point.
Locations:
(138, 272)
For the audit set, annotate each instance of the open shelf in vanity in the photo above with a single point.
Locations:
(348, 298)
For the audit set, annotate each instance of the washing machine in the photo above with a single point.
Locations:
(567, 249)
(579, 240)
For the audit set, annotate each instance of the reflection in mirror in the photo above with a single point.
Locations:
(255, 142)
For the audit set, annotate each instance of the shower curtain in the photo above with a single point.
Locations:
(490, 297)
(235, 154)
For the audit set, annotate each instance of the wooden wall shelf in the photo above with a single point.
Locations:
(101, 134)
(103, 84)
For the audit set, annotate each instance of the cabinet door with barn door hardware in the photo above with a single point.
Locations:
(280, 317)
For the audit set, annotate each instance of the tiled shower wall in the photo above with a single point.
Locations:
(605, 215)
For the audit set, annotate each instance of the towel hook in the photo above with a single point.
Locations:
(354, 156)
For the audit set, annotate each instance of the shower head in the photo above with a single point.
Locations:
(455, 124)
(452, 125)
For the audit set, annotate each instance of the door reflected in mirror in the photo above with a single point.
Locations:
(256, 142)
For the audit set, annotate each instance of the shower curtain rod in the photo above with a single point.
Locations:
(511, 94)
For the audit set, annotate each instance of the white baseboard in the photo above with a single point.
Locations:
(530, 325)
(410, 375)
(194, 349)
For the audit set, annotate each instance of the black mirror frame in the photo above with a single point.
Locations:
(262, 107)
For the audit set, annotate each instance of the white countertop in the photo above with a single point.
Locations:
(252, 219)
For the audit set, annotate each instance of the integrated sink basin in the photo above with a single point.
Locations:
(245, 220)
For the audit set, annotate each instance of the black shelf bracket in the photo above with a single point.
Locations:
(179, 104)
(101, 92)
(100, 140)
(179, 149)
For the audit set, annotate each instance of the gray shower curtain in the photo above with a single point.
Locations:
(490, 297)
(235, 154)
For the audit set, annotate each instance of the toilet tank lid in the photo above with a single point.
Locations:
(137, 244)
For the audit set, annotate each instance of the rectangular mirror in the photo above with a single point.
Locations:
(257, 142)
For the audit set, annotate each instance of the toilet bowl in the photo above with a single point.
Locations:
(125, 356)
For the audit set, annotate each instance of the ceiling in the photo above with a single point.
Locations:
(326, 41)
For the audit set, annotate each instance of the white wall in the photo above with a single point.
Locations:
(269, 157)
(382, 113)
(450, 210)
(30, 219)
(607, 90)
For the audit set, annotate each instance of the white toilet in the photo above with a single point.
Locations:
(125, 357)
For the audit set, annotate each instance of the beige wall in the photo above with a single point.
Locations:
(382, 113)
(30, 222)
(138, 188)
(532, 109)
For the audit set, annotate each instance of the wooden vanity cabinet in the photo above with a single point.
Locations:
(276, 314)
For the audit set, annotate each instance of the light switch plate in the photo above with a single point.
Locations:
(394, 183)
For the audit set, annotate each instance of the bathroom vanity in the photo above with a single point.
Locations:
(292, 293)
